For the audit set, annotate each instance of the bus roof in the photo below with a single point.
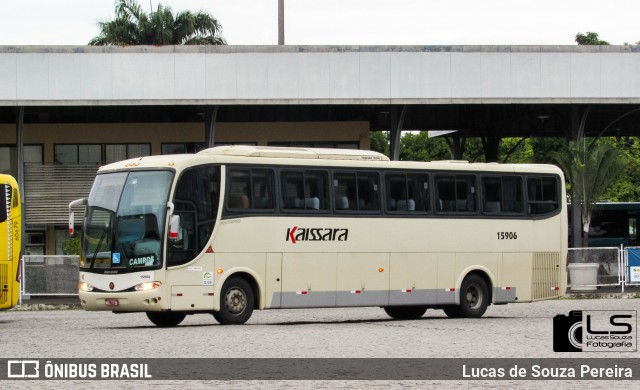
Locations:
(288, 152)
(241, 154)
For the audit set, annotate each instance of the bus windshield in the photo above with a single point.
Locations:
(124, 220)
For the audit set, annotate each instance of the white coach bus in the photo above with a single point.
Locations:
(237, 228)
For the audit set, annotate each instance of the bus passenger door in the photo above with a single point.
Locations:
(363, 279)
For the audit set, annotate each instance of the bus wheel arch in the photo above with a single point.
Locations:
(239, 296)
(474, 296)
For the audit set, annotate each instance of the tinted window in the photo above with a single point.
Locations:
(455, 193)
(5, 190)
(408, 192)
(542, 193)
(357, 191)
(304, 190)
(502, 194)
(250, 189)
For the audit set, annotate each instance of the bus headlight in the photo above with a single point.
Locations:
(146, 286)
(84, 286)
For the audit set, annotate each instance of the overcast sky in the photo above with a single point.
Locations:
(347, 22)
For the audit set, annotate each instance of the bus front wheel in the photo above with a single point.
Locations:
(474, 299)
(166, 319)
(405, 312)
(236, 302)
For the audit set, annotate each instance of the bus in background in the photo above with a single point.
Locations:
(237, 228)
(10, 241)
(613, 224)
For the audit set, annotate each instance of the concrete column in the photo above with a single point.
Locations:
(577, 129)
(20, 178)
(210, 115)
(395, 131)
(280, 22)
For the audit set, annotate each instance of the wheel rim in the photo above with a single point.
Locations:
(474, 296)
(236, 300)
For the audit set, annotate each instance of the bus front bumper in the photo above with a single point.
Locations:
(134, 301)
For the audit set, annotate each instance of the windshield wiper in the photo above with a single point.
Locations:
(95, 253)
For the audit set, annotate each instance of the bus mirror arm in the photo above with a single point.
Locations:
(75, 203)
(170, 206)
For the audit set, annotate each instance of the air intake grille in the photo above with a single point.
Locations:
(546, 275)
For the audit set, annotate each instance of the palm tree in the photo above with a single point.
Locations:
(590, 169)
(132, 26)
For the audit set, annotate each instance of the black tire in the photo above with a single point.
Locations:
(166, 319)
(405, 312)
(236, 302)
(453, 311)
(474, 296)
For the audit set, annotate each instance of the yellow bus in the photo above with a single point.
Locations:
(10, 242)
(232, 229)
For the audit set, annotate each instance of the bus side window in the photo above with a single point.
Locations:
(368, 193)
(356, 191)
(262, 185)
(344, 191)
(315, 190)
(456, 193)
(408, 192)
(250, 189)
(304, 190)
(239, 189)
(5, 189)
(502, 194)
(542, 195)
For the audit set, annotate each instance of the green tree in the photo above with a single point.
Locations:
(590, 38)
(590, 170)
(419, 147)
(379, 142)
(132, 26)
(625, 188)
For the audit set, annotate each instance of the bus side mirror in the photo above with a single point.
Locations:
(77, 202)
(174, 228)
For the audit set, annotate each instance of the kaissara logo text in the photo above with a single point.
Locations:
(295, 234)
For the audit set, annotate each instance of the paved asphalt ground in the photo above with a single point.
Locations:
(516, 330)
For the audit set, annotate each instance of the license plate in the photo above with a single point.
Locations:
(111, 302)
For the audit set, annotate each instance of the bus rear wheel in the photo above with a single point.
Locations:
(453, 311)
(405, 312)
(474, 299)
(236, 302)
(166, 319)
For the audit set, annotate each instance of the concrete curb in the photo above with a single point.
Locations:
(592, 295)
(42, 307)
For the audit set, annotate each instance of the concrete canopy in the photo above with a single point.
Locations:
(480, 90)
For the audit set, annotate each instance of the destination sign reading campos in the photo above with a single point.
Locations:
(295, 234)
